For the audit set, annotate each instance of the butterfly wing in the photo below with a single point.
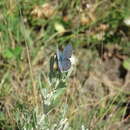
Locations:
(59, 59)
(67, 51)
(66, 64)
(63, 58)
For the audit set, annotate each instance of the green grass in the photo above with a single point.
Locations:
(29, 99)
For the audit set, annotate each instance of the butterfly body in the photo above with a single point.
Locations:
(63, 58)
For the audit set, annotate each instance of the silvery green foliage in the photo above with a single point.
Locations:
(83, 128)
(47, 96)
(44, 123)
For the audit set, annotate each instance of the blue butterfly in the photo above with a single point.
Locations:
(63, 58)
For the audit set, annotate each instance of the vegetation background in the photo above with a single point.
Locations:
(94, 94)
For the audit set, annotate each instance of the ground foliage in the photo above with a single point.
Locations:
(94, 94)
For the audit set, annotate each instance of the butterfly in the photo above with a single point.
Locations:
(63, 58)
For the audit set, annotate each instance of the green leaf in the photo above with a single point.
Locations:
(57, 95)
(2, 116)
(17, 52)
(126, 64)
(59, 27)
(8, 53)
(12, 53)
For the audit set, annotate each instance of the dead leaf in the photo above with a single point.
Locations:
(84, 20)
(44, 11)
